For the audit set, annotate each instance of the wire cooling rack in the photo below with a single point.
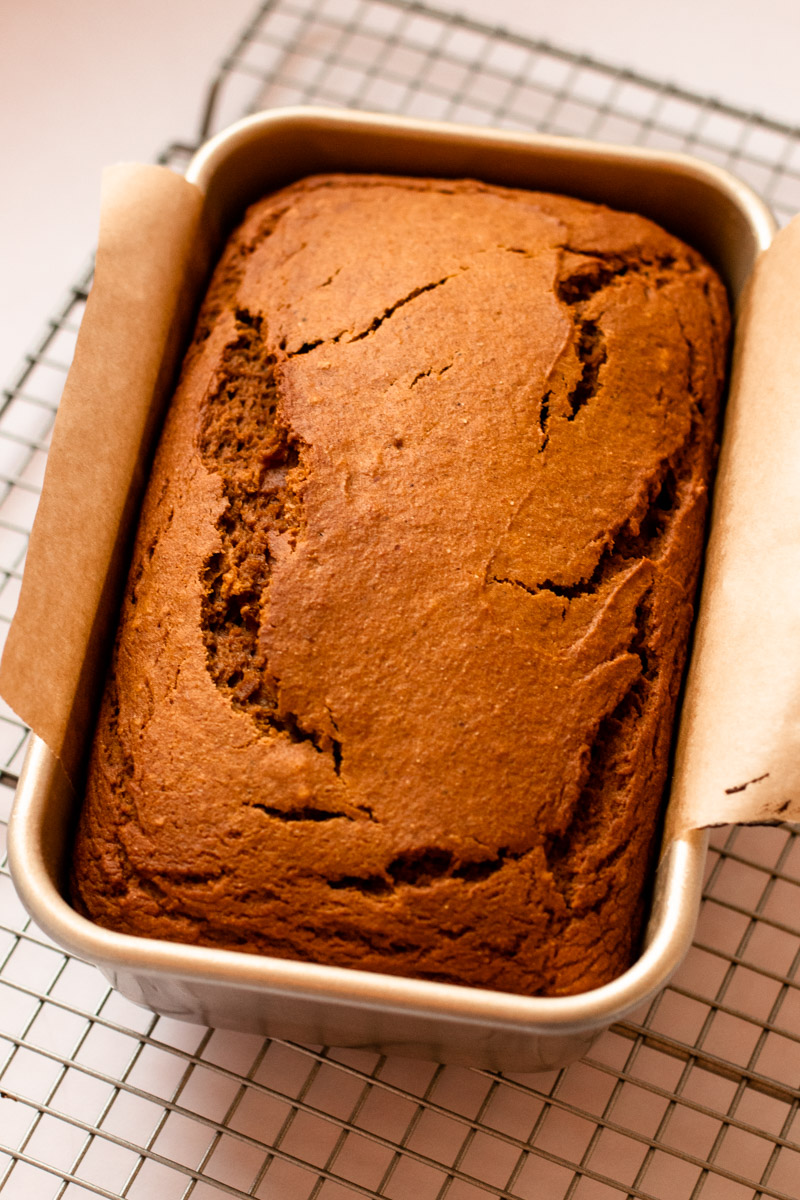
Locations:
(694, 1098)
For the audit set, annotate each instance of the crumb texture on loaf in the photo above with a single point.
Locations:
(409, 604)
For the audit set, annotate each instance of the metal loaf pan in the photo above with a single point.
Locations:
(331, 1005)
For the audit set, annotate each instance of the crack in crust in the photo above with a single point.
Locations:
(421, 869)
(608, 771)
(229, 273)
(242, 424)
(591, 351)
(638, 538)
(583, 275)
(375, 324)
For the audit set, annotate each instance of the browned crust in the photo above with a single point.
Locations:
(409, 604)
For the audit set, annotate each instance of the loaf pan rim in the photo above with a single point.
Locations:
(682, 862)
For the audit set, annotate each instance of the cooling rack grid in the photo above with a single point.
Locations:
(694, 1098)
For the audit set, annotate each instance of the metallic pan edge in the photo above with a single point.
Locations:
(332, 1005)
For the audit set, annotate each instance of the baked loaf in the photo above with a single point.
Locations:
(408, 609)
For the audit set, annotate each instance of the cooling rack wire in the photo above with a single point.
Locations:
(694, 1098)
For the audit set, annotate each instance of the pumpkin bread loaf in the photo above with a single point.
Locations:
(409, 604)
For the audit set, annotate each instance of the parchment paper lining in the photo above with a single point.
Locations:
(738, 755)
(148, 269)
